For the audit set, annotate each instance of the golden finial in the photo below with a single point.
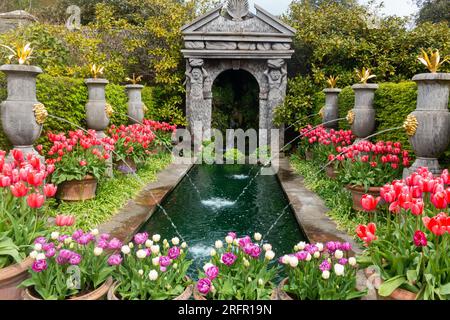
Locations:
(109, 110)
(144, 107)
(410, 125)
(351, 117)
(322, 113)
(40, 113)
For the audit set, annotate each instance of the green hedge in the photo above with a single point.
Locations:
(66, 98)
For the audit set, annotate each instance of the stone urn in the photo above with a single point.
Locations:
(364, 114)
(432, 118)
(20, 117)
(135, 105)
(97, 117)
(331, 109)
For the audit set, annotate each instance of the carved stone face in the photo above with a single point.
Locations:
(197, 74)
(275, 74)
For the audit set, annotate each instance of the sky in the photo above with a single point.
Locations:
(392, 7)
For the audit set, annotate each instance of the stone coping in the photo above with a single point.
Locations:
(432, 77)
(365, 86)
(137, 211)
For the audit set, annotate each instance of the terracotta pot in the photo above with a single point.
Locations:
(398, 294)
(76, 190)
(309, 155)
(358, 192)
(186, 295)
(11, 277)
(126, 167)
(199, 297)
(98, 294)
(331, 172)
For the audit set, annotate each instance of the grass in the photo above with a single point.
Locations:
(112, 195)
(335, 196)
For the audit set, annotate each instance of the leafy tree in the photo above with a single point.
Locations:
(433, 11)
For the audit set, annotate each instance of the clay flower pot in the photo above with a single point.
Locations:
(98, 294)
(199, 297)
(11, 277)
(186, 295)
(398, 294)
(126, 167)
(358, 192)
(76, 190)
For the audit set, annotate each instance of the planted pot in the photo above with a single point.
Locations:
(98, 294)
(77, 190)
(358, 192)
(11, 277)
(331, 110)
(364, 114)
(21, 115)
(186, 295)
(97, 116)
(135, 105)
(199, 297)
(432, 136)
(398, 294)
(126, 167)
(331, 172)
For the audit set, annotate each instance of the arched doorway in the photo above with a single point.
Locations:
(235, 102)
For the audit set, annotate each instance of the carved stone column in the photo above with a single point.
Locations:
(331, 109)
(432, 118)
(364, 114)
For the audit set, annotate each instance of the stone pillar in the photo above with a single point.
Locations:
(331, 109)
(136, 110)
(363, 124)
(96, 107)
(432, 136)
(15, 19)
(22, 114)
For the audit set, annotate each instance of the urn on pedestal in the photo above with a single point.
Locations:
(330, 113)
(97, 109)
(136, 108)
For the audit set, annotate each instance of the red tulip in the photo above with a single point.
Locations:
(367, 233)
(369, 203)
(420, 239)
(50, 190)
(64, 221)
(438, 225)
(417, 207)
(17, 155)
(416, 192)
(439, 200)
(83, 163)
(19, 190)
(5, 181)
(35, 200)
(35, 179)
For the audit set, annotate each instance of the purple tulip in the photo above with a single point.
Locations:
(346, 246)
(244, 241)
(311, 249)
(325, 266)
(65, 254)
(212, 272)
(232, 234)
(85, 239)
(255, 252)
(75, 259)
(48, 246)
(204, 286)
(40, 240)
(174, 253)
(343, 261)
(39, 265)
(50, 253)
(115, 260)
(102, 243)
(302, 255)
(77, 234)
(140, 238)
(164, 261)
(104, 236)
(115, 244)
(163, 269)
(63, 237)
(60, 260)
(331, 246)
(228, 258)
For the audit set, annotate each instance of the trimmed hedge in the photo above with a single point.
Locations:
(66, 98)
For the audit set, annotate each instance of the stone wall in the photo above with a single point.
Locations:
(14, 19)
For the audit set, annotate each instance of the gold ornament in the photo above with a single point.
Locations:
(109, 110)
(40, 113)
(322, 113)
(351, 117)
(410, 125)
(144, 107)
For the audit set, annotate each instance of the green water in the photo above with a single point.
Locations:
(203, 218)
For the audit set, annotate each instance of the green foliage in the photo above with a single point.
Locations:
(112, 195)
(433, 11)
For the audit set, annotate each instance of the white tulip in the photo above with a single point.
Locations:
(165, 241)
(308, 257)
(141, 254)
(246, 263)
(296, 248)
(72, 245)
(267, 247)
(95, 232)
(126, 250)
(320, 246)
(175, 241)
(249, 279)
(38, 247)
(352, 261)
(153, 275)
(175, 266)
(166, 245)
(213, 289)
(33, 254)
(141, 272)
(98, 251)
(236, 242)
(229, 239)
(339, 254)
(68, 240)
(207, 266)
(270, 255)
(148, 243)
(301, 245)
(258, 236)
(156, 237)
(40, 256)
(317, 254)
(218, 244)
(154, 249)
(54, 235)
(326, 275)
(293, 261)
(131, 245)
(261, 282)
(155, 261)
(184, 245)
(339, 269)
(213, 253)
(285, 259)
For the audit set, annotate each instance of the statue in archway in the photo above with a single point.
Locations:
(197, 82)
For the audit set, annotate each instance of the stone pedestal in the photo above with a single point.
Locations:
(135, 105)
(17, 111)
(331, 110)
(96, 116)
(14, 19)
(364, 122)
(433, 133)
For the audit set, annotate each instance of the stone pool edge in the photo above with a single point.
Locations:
(137, 211)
